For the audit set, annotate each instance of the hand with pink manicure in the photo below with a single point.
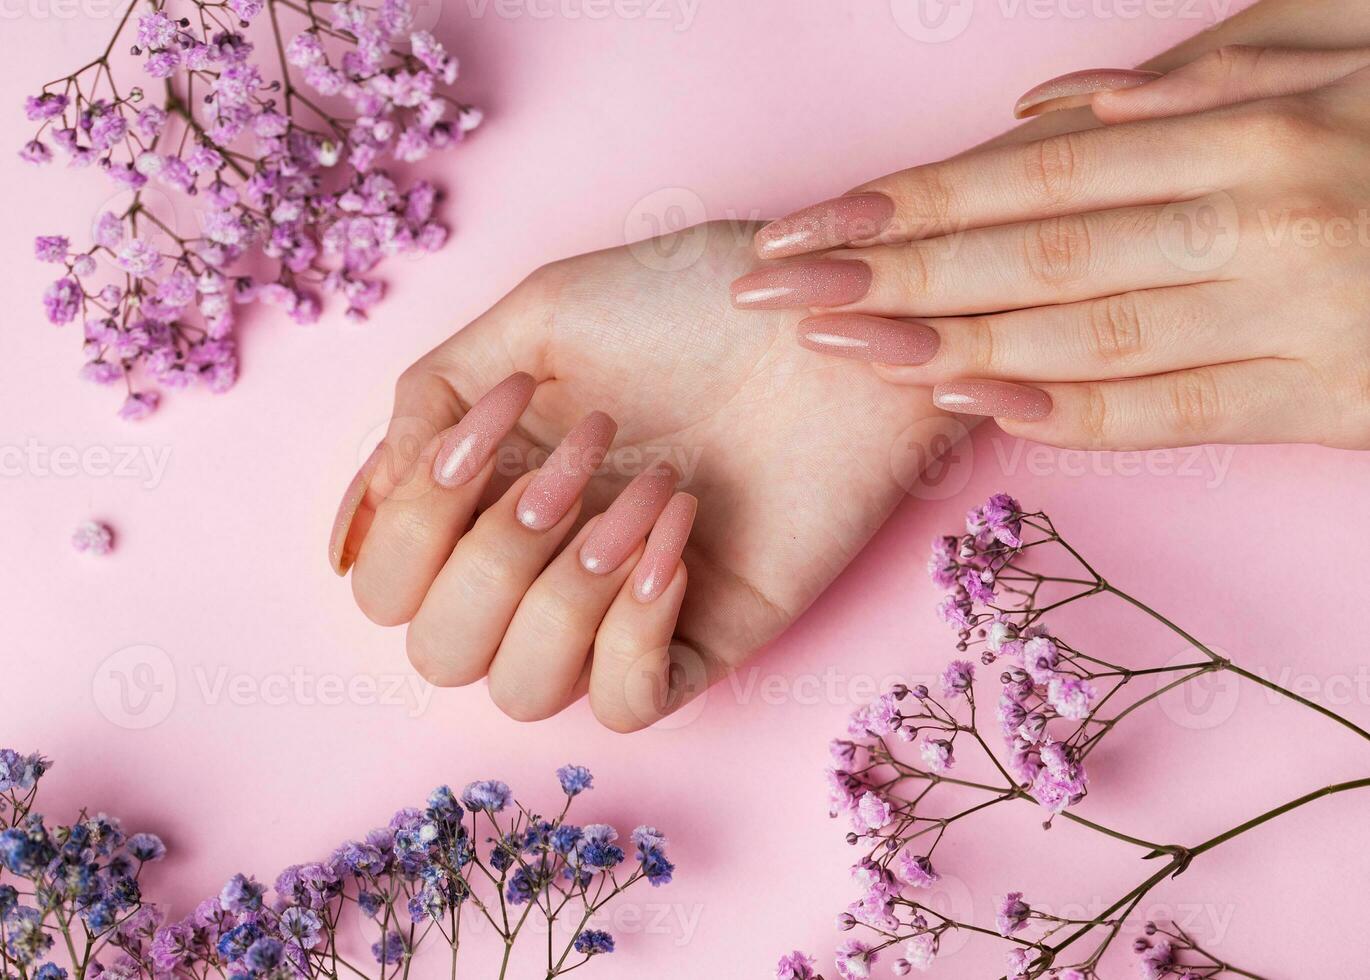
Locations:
(1196, 270)
(706, 480)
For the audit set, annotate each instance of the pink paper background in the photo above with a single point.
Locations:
(753, 108)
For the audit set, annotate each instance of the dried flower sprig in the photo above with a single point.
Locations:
(1055, 705)
(285, 169)
(480, 855)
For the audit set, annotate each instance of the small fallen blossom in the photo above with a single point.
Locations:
(93, 537)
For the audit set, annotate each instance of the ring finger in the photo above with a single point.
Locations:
(543, 653)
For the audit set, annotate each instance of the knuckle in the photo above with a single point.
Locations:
(1195, 403)
(554, 614)
(1115, 328)
(516, 703)
(1095, 417)
(1058, 250)
(618, 645)
(374, 605)
(930, 202)
(980, 339)
(1053, 167)
(1229, 61)
(489, 571)
(915, 270)
(1287, 127)
(427, 656)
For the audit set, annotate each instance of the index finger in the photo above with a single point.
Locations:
(1146, 162)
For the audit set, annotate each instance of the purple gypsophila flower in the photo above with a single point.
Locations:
(957, 678)
(855, 959)
(62, 301)
(795, 966)
(1012, 914)
(51, 248)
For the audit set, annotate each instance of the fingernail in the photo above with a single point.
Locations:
(628, 519)
(853, 218)
(870, 338)
(824, 282)
(665, 545)
(998, 399)
(338, 555)
(1077, 89)
(467, 445)
(560, 480)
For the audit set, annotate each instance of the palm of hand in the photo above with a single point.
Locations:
(796, 459)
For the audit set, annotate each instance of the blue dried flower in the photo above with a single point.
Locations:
(490, 795)
(592, 942)
(146, 847)
(574, 779)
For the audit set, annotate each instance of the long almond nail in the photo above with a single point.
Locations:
(998, 399)
(870, 338)
(1078, 89)
(853, 218)
(628, 519)
(665, 545)
(338, 554)
(823, 282)
(560, 480)
(468, 445)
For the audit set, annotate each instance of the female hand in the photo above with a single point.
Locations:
(795, 462)
(1198, 270)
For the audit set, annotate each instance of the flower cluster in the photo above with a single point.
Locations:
(475, 854)
(917, 761)
(280, 178)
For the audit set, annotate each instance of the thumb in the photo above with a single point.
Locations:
(1234, 73)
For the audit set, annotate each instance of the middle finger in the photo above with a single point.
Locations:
(1057, 260)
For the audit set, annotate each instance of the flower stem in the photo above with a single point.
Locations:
(1239, 671)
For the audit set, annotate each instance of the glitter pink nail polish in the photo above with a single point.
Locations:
(870, 338)
(338, 556)
(1078, 89)
(999, 399)
(853, 218)
(665, 545)
(468, 445)
(628, 519)
(560, 480)
(822, 282)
